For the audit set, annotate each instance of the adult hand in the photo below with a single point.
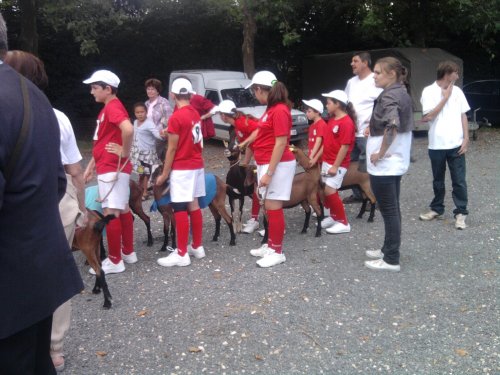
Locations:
(312, 163)
(114, 148)
(88, 174)
(366, 132)
(447, 91)
(374, 158)
(265, 180)
(464, 147)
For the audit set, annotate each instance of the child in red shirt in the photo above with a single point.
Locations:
(185, 167)
(338, 143)
(110, 157)
(275, 162)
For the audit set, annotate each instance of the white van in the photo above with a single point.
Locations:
(218, 85)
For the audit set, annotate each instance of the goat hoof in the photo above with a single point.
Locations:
(318, 234)
(232, 243)
(96, 291)
(370, 220)
(360, 216)
(150, 243)
(107, 305)
(163, 248)
(214, 239)
(303, 231)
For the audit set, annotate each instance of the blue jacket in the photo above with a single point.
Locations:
(37, 269)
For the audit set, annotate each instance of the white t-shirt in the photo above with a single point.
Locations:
(69, 149)
(362, 94)
(445, 131)
(396, 159)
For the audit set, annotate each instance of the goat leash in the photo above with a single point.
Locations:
(115, 179)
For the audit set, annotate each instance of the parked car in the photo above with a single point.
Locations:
(218, 85)
(484, 94)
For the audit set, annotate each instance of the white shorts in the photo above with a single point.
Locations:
(120, 191)
(334, 182)
(281, 182)
(185, 185)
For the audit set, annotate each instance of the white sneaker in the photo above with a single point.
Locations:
(271, 259)
(198, 253)
(174, 259)
(109, 267)
(129, 258)
(460, 221)
(380, 265)
(430, 215)
(338, 228)
(327, 222)
(374, 254)
(251, 226)
(261, 251)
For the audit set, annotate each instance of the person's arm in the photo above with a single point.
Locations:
(279, 148)
(314, 155)
(248, 156)
(127, 130)
(89, 171)
(446, 93)
(156, 131)
(390, 134)
(338, 160)
(76, 173)
(465, 143)
(173, 141)
(249, 140)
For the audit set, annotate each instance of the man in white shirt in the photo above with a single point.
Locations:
(444, 106)
(361, 92)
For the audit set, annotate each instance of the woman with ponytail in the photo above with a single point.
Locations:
(275, 162)
(388, 155)
(340, 133)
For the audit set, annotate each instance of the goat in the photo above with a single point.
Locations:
(215, 199)
(87, 240)
(236, 178)
(135, 204)
(305, 189)
(352, 178)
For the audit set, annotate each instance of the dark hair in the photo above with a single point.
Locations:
(389, 64)
(347, 108)
(29, 66)
(114, 90)
(364, 56)
(278, 93)
(153, 82)
(447, 67)
(140, 104)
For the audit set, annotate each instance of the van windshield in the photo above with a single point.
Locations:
(240, 97)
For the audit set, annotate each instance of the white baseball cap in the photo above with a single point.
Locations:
(227, 107)
(339, 95)
(105, 76)
(314, 104)
(264, 78)
(182, 86)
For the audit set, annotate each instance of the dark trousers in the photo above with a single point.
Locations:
(386, 190)
(358, 154)
(28, 352)
(456, 163)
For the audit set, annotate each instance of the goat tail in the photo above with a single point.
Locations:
(232, 192)
(101, 224)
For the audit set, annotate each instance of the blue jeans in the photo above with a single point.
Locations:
(386, 190)
(456, 163)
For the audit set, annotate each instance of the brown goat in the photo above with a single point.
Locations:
(217, 208)
(88, 241)
(305, 189)
(353, 177)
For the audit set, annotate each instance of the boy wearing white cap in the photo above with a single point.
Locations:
(184, 166)
(110, 158)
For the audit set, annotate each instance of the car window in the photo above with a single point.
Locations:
(240, 97)
(212, 96)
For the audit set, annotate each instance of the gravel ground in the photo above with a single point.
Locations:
(320, 312)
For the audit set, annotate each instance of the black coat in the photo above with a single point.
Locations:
(37, 270)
